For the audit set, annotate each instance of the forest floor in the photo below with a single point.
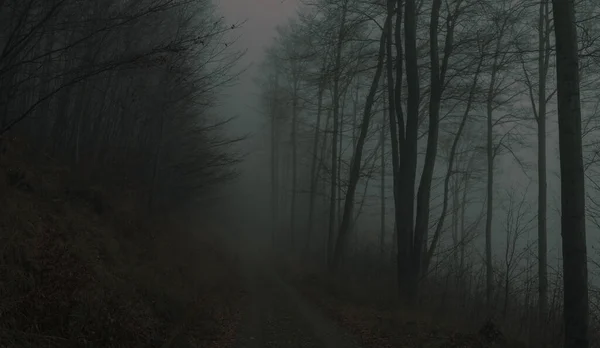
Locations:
(278, 316)
(376, 326)
(80, 268)
(286, 309)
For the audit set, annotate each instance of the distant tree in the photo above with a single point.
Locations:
(82, 86)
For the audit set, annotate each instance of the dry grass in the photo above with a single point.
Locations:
(71, 276)
(369, 309)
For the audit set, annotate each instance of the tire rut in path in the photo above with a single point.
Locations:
(279, 317)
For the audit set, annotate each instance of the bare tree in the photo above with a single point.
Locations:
(336, 109)
(357, 155)
(450, 168)
(572, 177)
(539, 105)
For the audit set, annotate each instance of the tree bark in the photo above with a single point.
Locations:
(294, 158)
(355, 164)
(543, 58)
(395, 115)
(424, 191)
(336, 106)
(408, 155)
(489, 271)
(449, 170)
(313, 167)
(274, 165)
(382, 183)
(572, 177)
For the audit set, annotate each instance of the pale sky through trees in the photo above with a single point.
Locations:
(261, 20)
(262, 17)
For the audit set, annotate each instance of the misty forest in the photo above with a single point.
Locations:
(422, 174)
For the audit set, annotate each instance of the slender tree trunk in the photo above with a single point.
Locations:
(323, 184)
(354, 140)
(274, 165)
(424, 191)
(365, 190)
(489, 207)
(572, 177)
(490, 181)
(543, 57)
(449, 170)
(394, 253)
(463, 213)
(336, 107)
(382, 192)
(355, 113)
(339, 159)
(455, 226)
(313, 168)
(355, 164)
(395, 117)
(294, 161)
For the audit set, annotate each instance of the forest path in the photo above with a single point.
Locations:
(280, 317)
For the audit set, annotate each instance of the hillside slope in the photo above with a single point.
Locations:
(82, 267)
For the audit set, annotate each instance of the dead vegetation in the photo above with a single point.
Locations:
(75, 275)
(367, 304)
(395, 326)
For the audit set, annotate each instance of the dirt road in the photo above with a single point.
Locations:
(279, 317)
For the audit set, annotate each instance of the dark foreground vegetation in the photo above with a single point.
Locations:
(369, 308)
(72, 277)
(108, 150)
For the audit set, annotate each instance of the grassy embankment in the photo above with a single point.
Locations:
(86, 267)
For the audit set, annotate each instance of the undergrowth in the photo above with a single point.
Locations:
(74, 273)
(374, 315)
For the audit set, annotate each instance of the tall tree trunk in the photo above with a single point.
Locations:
(339, 159)
(274, 165)
(395, 117)
(489, 271)
(359, 211)
(437, 83)
(397, 132)
(543, 59)
(455, 226)
(382, 193)
(354, 140)
(313, 167)
(294, 160)
(572, 177)
(489, 206)
(424, 191)
(355, 113)
(408, 156)
(322, 184)
(463, 213)
(336, 107)
(450, 170)
(355, 164)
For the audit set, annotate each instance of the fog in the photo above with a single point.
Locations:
(243, 101)
(281, 45)
(300, 173)
(260, 19)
